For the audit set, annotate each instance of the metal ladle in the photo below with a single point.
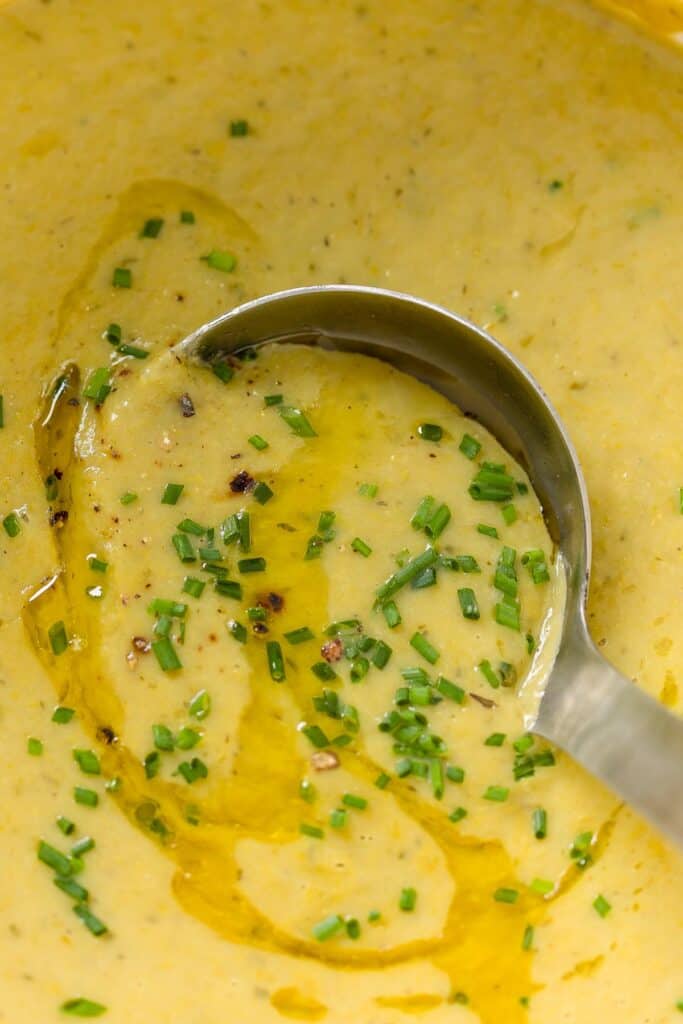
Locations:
(603, 720)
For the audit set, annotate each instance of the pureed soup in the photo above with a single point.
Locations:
(209, 814)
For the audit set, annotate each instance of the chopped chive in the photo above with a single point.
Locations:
(98, 385)
(381, 654)
(496, 739)
(437, 522)
(220, 259)
(152, 764)
(469, 446)
(72, 888)
(468, 603)
(509, 513)
(436, 776)
(299, 636)
(262, 493)
(163, 737)
(507, 615)
(223, 371)
(316, 736)
(296, 421)
(382, 780)
(257, 442)
(530, 644)
(86, 797)
(200, 705)
(430, 432)
(97, 564)
(361, 547)
(488, 673)
(171, 494)
(312, 831)
(193, 586)
(324, 671)
(187, 217)
(602, 906)
(542, 886)
(187, 738)
(247, 565)
(229, 588)
(450, 690)
(359, 803)
(407, 900)
(113, 334)
(62, 715)
(11, 524)
(455, 774)
(65, 826)
(506, 895)
(488, 531)
(492, 483)
(239, 128)
(498, 794)
(237, 630)
(467, 563)
(128, 498)
(422, 513)
(368, 490)
(391, 614)
(314, 548)
(307, 791)
(276, 663)
(190, 526)
(272, 400)
(183, 546)
(34, 747)
(152, 227)
(134, 351)
(163, 606)
(87, 761)
(327, 928)
(91, 922)
(539, 823)
(82, 846)
(425, 579)
(359, 669)
(406, 573)
(257, 614)
(122, 277)
(457, 815)
(353, 928)
(165, 654)
(54, 859)
(421, 644)
(82, 1007)
(192, 771)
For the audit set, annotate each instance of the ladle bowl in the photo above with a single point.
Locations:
(585, 706)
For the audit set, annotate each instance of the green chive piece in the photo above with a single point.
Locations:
(381, 654)
(262, 493)
(237, 630)
(469, 446)
(357, 802)
(113, 334)
(269, 400)
(62, 715)
(34, 747)
(323, 671)
(539, 823)
(436, 775)
(82, 1007)
(87, 761)
(122, 277)
(430, 432)
(97, 564)
(542, 886)
(327, 928)
(509, 513)
(315, 735)
(193, 586)
(190, 526)
(338, 818)
(11, 524)
(192, 771)
(200, 705)
(352, 928)
(455, 773)
(163, 606)
(312, 831)
(229, 588)
(382, 780)
(421, 644)
(165, 654)
(257, 442)
(72, 888)
(457, 815)
(528, 938)
(220, 259)
(299, 636)
(406, 573)
(422, 513)
(187, 217)
(128, 498)
(506, 895)
(450, 690)
(498, 794)
(507, 615)
(492, 483)
(489, 673)
(488, 531)
(163, 737)
(187, 738)
(296, 421)
(247, 565)
(171, 494)
(468, 603)
(65, 826)
(83, 846)
(407, 900)
(496, 739)
(152, 227)
(183, 546)
(239, 128)
(359, 669)
(307, 791)
(276, 663)
(54, 859)
(361, 547)
(98, 385)
(223, 371)
(91, 922)
(602, 906)
(391, 614)
(368, 490)
(437, 522)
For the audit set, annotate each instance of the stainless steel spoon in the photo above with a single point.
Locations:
(607, 724)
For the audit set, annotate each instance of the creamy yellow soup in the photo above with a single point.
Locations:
(518, 162)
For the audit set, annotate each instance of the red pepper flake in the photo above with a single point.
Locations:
(242, 482)
(186, 405)
(333, 650)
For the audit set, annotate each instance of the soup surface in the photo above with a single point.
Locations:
(156, 172)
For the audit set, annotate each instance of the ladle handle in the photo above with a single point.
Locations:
(618, 733)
